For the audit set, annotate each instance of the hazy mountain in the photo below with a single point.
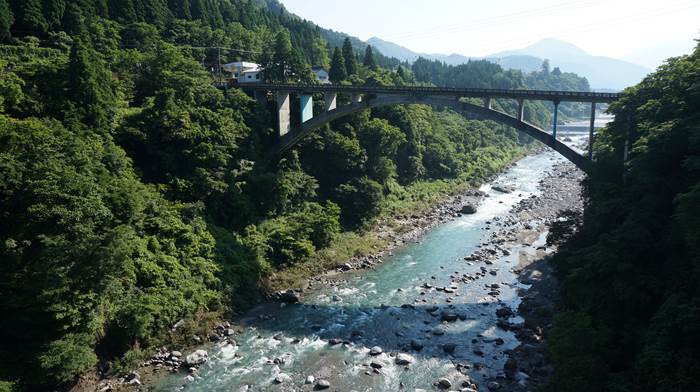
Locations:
(404, 54)
(655, 54)
(601, 72)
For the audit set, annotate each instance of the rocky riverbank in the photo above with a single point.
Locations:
(517, 235)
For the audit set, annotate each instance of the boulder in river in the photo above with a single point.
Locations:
(403, 359)
(197, 358)
(416, 345)
(449, 347)
(322, 384)
(309, 380)
(468, 209)
(448, 316)
(287, 296)
(376, 350)
(283, 378)
(444, 383)
(438, 331)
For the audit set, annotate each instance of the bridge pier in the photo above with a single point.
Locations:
(521, 109)
(356, 98)
(284, 121)
(487, 102)
(330, 101)
(591, 132)
(261, 96)
(307, 107)
(554, 126)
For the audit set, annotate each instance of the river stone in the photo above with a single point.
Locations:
(334, 341)
(196, 358)
(416, 345)
(309, 380)
(376, 350)
(504, 312)
(448, 316)
(493, 386)
(175, 354)
(468, 209)
(322, 384)
(438, 331)
(403, 359)
(282, 378)
(375, 365)
(444, 383)
(449, 347)
(287, 296)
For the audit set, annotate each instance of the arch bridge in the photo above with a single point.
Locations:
(367, 97)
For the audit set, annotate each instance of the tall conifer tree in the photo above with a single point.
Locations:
(337, 73)
(349, 57)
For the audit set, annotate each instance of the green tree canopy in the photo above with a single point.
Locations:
(337, 73)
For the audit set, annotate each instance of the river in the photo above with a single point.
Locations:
(389, 307)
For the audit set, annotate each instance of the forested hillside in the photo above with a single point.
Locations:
(484, 74)
(630, 274)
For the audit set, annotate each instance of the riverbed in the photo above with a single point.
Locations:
(435, 300)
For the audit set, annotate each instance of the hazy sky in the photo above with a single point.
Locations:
(615, 28)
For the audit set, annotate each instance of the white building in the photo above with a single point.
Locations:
(321, 75)
(244, 72)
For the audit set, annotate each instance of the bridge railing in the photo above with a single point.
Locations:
(549, 95)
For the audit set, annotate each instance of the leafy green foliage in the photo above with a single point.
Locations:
(90, 249)
(630, 272)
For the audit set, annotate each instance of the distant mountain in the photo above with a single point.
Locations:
(601, 72)
(404, 54)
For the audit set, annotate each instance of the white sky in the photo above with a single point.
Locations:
(615, 28)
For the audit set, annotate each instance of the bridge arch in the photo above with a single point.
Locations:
(291, 138)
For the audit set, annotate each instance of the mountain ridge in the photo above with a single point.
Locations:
(602, 72)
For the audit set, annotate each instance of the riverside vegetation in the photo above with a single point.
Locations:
(134, 193)
(629, 266)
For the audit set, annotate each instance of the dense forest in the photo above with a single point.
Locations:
(630, 272)
(134, 193)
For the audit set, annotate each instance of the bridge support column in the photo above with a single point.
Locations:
(521, 109)
(556, 114)
(591, 132)
(356, 98)
(331, 101)
(283, 113)
(307, 107)
(261, 96)
(487, 102)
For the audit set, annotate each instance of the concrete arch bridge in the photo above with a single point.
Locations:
(367, 97)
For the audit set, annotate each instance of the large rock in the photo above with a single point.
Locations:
(468, 209)
(503, 188)
(197, 358)
(376, 350)
(322, 384)
(287, 296)
(416, 345)
(449, 347)
(283, 378)
(403, 359)
(448, 316)
(444, 383)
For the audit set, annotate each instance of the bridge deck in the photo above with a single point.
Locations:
(544, 95)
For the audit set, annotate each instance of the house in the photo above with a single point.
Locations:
(244, 72)
(321, 75)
